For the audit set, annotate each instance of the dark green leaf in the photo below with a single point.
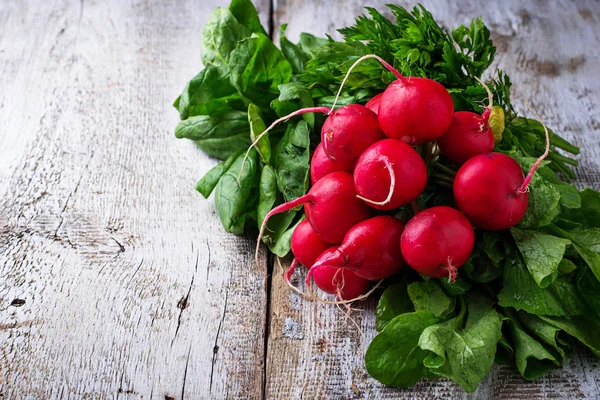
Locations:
(542, 254)
(292, 97)
(208, 182)
(458, 287)
(394, 357)
(504, 352)
(429, 296)
(548, 333)
(257, 69)
(587, 244)
(583, 329)
(291, 161)
(268, 198)
(393, 302)
(245, 12)
(589, 213)
(257, 126)
(235, 194)
(293, 53)
(282, 247)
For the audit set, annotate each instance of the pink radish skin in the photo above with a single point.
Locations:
(469, 135)
(486, 189)
(331, 207)
(347, 132)
(342, 282)
(320, 165)
(415, 110)
(373, 178)
(373, 104)
(437, 241)
(370, 248)
(307, 246)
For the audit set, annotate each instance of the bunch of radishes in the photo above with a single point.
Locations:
(365, 165)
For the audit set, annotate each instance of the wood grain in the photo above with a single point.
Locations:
(552, 55)
(116, 278)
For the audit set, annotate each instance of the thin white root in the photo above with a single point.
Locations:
(489, 92)
(361, 297)
(381, 60)
(390, 168)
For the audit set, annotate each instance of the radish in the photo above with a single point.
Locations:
(307, 246)
(347, 132)
(469, 134)
(342, 282)
(486, 189)
(331, 207)
(320, 165)
(491, 190)
(414, 110)
(389, 174)
(437, 241)
(370, 248)
(373, 104)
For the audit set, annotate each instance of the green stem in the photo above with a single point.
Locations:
(443, 177)
(444, 168)
(443, 184)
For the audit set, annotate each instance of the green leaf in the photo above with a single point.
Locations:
(504, 352)
(235, 194)
(206, 92)
(464, 351)
(245, 12)
(291, 161)
(208, 182)
(393, 302)
(542, 254)
(566, 266)
(587, 244)
(548, 333)
(257, 69)
(543, 204)
(293, 53)
(220, 37)
(257, 126)
(533, 360)
(268, 198)
(294, 96)
(589, 288)
(220, 134)
(394, 357)
(429, 296)
(283, 245)
(458, 287)
(589, 213)
(310, 44)
(583, 329)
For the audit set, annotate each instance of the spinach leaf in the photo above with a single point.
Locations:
(220, 134)
(544, 200)
(220, 37)
(542, 254)
(458, 287)
(207, 92)
(587, 244)
(583, 329)
(504, 352)
(588, 214)
(283, 245)
(268, 198)
(245, 12)
(257, 126)
(291, 161)
(548, 333)
(235, 194)
(292, 97)
(464, 350)
(429, 296)
(257, 69)
(394, 357)
(292, 52)
(208, 182)
(393, 302)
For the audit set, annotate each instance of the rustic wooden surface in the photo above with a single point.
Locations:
(116, 279)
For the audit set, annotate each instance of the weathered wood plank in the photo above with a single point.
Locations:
(551, 54)
(116, 278)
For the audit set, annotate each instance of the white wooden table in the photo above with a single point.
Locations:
(116, 278)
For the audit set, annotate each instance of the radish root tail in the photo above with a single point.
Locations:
(524, 188)
(390, 168)
(488, 110)
(324, 110)
(288, 278)
(387, 65)
(452, 271)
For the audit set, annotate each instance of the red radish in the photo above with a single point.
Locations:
(486, 190)
(373, 104)
(347, 132)
(320, 165)
(469, 134)
(342, 282)
(389, 174)
(307, 246)
(437, 241)
(370, 248)
(414, 110)
(331, 207)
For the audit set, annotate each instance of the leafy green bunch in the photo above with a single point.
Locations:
(524, 295)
